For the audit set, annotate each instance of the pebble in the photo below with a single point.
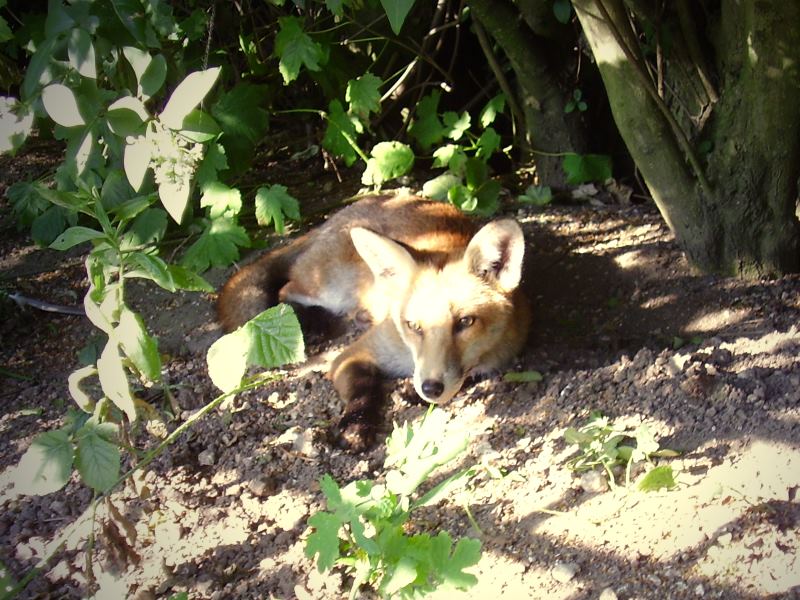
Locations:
(206, 457)
(564, 572)
(262, 486)
(607, 594)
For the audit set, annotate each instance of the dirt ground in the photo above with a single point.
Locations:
(622, 326)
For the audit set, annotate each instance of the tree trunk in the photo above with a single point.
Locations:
(548, 129)
(733, 210)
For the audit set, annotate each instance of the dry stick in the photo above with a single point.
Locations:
(483, 39)
(677, 132)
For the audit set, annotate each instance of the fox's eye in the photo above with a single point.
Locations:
(413, 326)
(465, 323)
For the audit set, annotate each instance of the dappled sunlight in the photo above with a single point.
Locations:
(717, 319)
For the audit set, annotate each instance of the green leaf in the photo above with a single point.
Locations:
(364, 95)
(562, 9)
(74, 236)
(153, 77)
(426, 128)
(213, 162)
(199, 127)
(5, 36)
(294, 48)
(439, 187)
(81, 53)
(136, 160)
(140, 347)
(127, 116)
(270, 339)
(114, 381)
(97, 459)
(61, 105)
(324, 540)
(522, 376)
(330, 489)
(16, 122)
(46, 465)
(451, 156)
(272, 203)
(187, 95)
(335, 6)
(476, 173)
(489, 112)
(388, 160)
(47, 226)
(218, 245)
(582, 168)
(462, 197)
(487, 143)
(341, 133)
(148, 228)
(403, 574)
(151, 267)
(242, 114)
(184, 279)
(657, 478)
(26, 203)
(397, 11)
(538, 195)
(40, 68)
(175, 198)
(222, 201)
(466, 554)
(455, 125)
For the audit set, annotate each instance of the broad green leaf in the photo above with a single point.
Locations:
(213, 162)
(49, 225)
(153, 77)
(46, 465)
(491, 110)
(341, 133)
(97, 458)
(40, 67)
(522, 376)
(140, 347)
(397, 11)
(244, 120)
(363, 94)
(294, 49)
(403, 574)
(184, 279)
(81, 53)
(427, 128)
(116, 190)
(175, 198)
(335, 6)
(5, 31)
(487, 144)
(136, 161)
(222, 201)
(562, 9)
(74, 236)
(587, 167)
(227, 360)
(80, 152)
(187, 95)
(61, 105)
(151, 267)
(114, 381)
(82, 399)
(69, 200)
(451, 156)
(456, 125)
(16, 121)
(462, 197)
(476, 172)
(466, 554)
(218, 245)
(438, 187)
(538, 195)
(138, 59)
(272, 203)
(388, 160)
(200, 127)
(324, 540)
(657, 478)
(26, 203)
(148, 228)
(126, 116)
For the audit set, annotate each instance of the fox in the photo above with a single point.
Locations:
(443, 296)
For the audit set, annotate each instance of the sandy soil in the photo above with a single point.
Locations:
(622, 326)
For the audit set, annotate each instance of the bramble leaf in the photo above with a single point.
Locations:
(46, 465)
(97, 458)
(272, 203)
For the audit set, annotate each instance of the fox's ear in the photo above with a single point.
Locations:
(495, 253)
(389, 261)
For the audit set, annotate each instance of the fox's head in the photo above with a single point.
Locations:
(455, 318)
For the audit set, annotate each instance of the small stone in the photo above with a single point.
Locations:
(206, 458)
(593, 482)
(564, 572)
(262, 486)
(607, 594)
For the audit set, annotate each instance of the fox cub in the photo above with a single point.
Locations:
(443, 297)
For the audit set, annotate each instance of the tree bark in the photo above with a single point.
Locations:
(733, 211)
(548, 129)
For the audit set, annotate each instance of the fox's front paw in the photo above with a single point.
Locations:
(356, 434)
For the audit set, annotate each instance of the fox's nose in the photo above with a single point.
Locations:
(432, 388)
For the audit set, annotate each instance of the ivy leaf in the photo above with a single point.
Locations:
(272, 203)
(217, 246)
(489, 112)
(364, 95)
(583, 168)
(397, 11)
(61, 105)
(244, 122)
(270, 339)
(187, 95)
(324, 540)
(46, 465)
(388, 160)
(139, 346)
(455, 125)
(97, 459)
(221, 200)
(341, 133)
(294, 48)
(427, 129)
(81, 53)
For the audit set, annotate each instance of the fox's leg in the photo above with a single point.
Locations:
(358, 374)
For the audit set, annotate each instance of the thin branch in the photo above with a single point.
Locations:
(483, 39)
